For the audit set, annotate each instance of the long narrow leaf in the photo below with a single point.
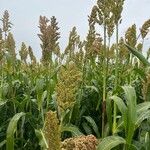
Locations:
(12, 127)
(87, 128)
(119, 102)
(93, 125)
(138, 55)
(73, 129)
(2, 143)
(142, 117)
(110, 142)
(2, 102)
(109, 110)
(142, 107)
(147, 141)
(42, 140)
(131, 116)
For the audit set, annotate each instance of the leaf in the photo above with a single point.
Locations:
(142, 107)
(2, 102)
(42, 140)
(142, 117)
(138, 55)
(2, 143)
(40, 93)
(119, 102)
(92, 88)
(93, 125)
(44, 95)
(86, 128)
(109, 110)
(122, 108)
(148, 93)
(71, 128)
(110, 142)
(141, 110)
(39, 85)
(141, 72)
(120, 125)
(131, 114)
(147, 141)
(12, 127)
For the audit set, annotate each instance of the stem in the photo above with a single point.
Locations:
(108, 56)
(2, 76)
(116, 80)
(104, 81)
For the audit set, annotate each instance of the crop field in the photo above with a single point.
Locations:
(93, 95)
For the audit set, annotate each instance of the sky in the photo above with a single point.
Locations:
(24, 14)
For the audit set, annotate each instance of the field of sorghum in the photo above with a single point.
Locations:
(93, 95)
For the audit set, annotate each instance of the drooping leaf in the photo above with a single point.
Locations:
(93, 125)
(141, 117)
(44, 95)
(147, 97)
(110, 142)
(71, 128)
(131, 114)
(2, 143)
(87, 128)
(142, 107)
(42, 140)
(109, 110)
(2, 102)
(12, 127)
(39, 90)
(138, 55)
(147, 141)
(92, 88)
(119, 102)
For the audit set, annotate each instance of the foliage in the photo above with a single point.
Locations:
(76, 92)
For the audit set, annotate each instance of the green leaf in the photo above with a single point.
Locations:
(92, 88)
(109, 110)
(119, 102)
(141, 117)
(71, 128)
(142, 114)
(12, 127)
(40, 93)
(147, 141)
(44, 95)
(131, 114)
(42, 140)
(2, 143)
(39, 85)
(2, 102)
(148, 93)
(93, 125)
(87, 128)
(122, 108)
(142, 107)
(138, 55)
(110, 142)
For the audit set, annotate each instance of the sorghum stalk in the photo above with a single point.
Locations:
(2, 77)
(116, 79)
(118, 7)
(104, 80)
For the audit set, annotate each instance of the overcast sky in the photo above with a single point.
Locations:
(25, 17)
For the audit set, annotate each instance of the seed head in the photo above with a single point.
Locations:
(52, 131)
(145, 28)
(130, 36)
(68, 82)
